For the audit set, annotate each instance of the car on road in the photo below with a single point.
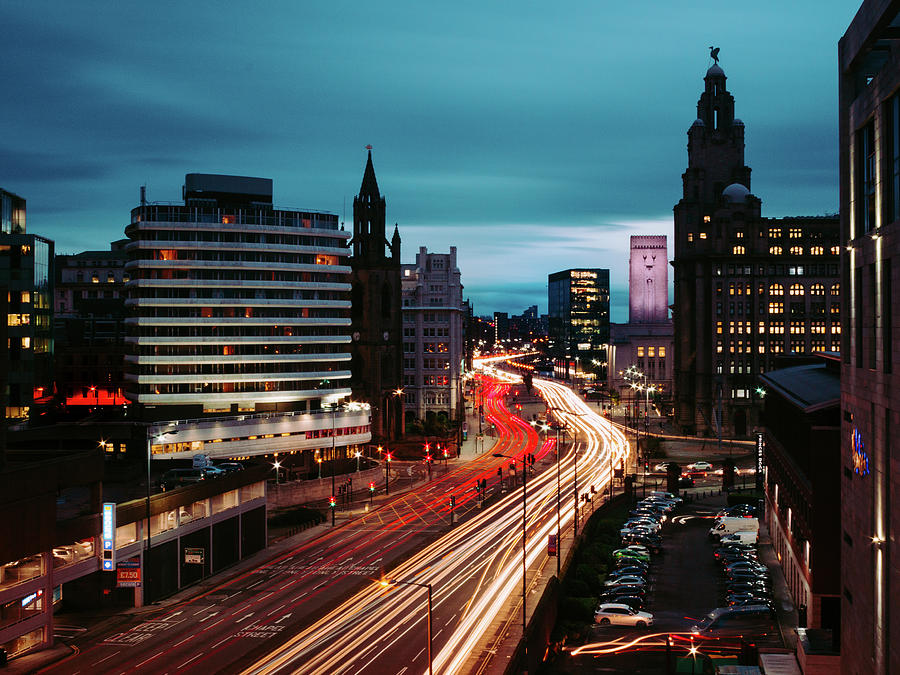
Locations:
(685, 482)
(174, 478)
(213, 472)
(622, 615)
(699, 466)
(230, 467)
(742, 620)
(662, 467)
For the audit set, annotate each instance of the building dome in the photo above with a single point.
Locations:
(737, 122)
(715, 70)
(698, 123)
(736, 193)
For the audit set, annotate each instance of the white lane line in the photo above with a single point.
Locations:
(265, 596)
(281, 588)
(202, 609)
(275, 610)
(183, 641)
(150, 659)
(416, 657)
(257, 583)
(105, 658)
(195, 656)
(400, 672)
(299, 596)
(218, 643)
(246, 616)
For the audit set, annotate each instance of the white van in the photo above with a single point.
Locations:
(749, 537)
(729, 525)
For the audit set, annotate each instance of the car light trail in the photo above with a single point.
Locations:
(475, 570)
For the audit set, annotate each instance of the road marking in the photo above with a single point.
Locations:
(281, 588)
(286, 616)
(150, 659)
(219, 642)
(196, 656)
(265, 596)
(203, 609)
(257, 583)
(299, 596)
(246, 616)
(207, 617)
(402, 671)
(182, 642)
(416, 657)
(275, 610)
(105, 658)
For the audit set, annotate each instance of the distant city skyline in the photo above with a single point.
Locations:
(535, 141)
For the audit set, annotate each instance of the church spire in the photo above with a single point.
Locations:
(369, 187)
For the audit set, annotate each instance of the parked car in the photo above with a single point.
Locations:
(651, 542)
(666, 495)
(745, 510)
(613, 592)
(626, 581)
(626, 562)
(630, 570)
(746, 587)
(635, 602)
(747, 565)
(743, 620)
(174, 478)
(631, 554)
(622, 615)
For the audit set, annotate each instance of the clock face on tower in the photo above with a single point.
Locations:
(386, 336)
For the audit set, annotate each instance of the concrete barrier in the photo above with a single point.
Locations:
(292, 493)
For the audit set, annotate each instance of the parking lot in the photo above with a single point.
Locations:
(685, 584)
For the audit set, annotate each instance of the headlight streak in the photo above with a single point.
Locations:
(486, 547)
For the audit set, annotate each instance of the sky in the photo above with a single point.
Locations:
(533, 136)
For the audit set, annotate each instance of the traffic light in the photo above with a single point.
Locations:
(371, 486)
(452, 502)
(332, 502)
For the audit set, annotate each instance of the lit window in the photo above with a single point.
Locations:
(816, 250)
(775, 232)
(690, 236)
(719, 327)
(95, 278)
(640, 352)
(775, 250)
(796, 250)
(795, 233)
(739, 234)
(776, 289)
(706, 219)
(662, 352)
(26, 343)
(817, 289)
(110, 278)
(703, 235)
(835, 289)
(776, 308)
(26, 296)
(651, 351)
(737, 250)
(797, 289)
(835, 250)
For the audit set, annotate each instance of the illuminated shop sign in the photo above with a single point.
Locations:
(858, 456)
(108, 536)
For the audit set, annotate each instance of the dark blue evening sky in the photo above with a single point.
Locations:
(533, 136)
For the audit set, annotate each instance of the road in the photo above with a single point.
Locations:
(474, 571)
(255, 611)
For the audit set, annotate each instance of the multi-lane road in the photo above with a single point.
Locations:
(320, 607)
(474, 572)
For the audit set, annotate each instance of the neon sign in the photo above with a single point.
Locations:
(859, 457)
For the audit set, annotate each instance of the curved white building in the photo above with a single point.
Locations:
(236, 307)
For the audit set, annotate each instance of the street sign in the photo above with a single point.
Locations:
(128, 574)
(108, 537)
(194, 556)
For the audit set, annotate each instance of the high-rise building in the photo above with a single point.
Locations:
(501, 327)
(239, 307)
(377, 321)
(645, 342)
(579, 321)
(26, 279)
(433, 347)
(748, 289)
(869, 133)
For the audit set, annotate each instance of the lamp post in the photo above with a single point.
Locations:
(388, 582)
(358, 454)
(333, 460)
(159, 437)
(387, 469)
(524, 551)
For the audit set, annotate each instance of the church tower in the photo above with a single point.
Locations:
(376, 324)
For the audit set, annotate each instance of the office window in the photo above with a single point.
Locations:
(776, 327)
(795, 233)
(817, 250)
(887, 317)
(775, 250)
(776, 289)
(703, 235)
(662, 352)
(817, 289)
(797, 289)
(690, 236)
(651, 352)
(796, 250)
(737, 250)
(835, 290)
(775, 232)
(776, 308)
(640, 352)
(865, 179)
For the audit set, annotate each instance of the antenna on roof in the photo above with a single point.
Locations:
(143, 195)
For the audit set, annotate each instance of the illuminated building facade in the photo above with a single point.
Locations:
(26, 278)
(748, 289)
(433, 347)
(578, 302)
(869, 133)
(645, 342)
(239, 311)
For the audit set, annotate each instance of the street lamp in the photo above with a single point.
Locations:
(358, 454)
(387, 469)
(276, 466)
(389, 582)
(524, 550)
(159, 438)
